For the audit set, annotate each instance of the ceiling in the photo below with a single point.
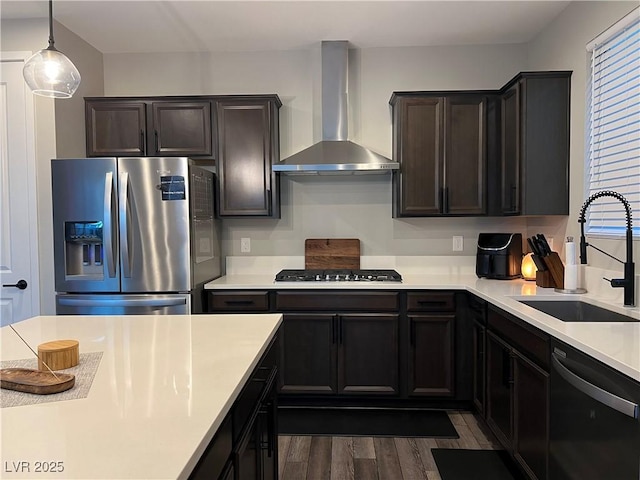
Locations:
(114, 26)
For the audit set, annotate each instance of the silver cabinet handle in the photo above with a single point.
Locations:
(124, 224)
(108, 224)
(620, 404)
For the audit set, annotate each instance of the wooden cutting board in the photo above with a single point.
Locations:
(326, 253)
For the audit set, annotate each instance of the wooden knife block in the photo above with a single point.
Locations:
(553, 277)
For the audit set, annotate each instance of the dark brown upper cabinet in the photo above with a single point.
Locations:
(248, 144)
(148, 127)
(440, 141)
(484, 152)
(181, 128)
(534, 167)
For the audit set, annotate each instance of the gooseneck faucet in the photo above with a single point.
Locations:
(628, 282)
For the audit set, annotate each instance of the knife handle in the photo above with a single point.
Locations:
(539, 246)
(545, 244)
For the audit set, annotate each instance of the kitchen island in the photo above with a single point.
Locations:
(162, 389)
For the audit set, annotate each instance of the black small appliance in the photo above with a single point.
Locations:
(499, 255)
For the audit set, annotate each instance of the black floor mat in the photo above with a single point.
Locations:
(372, 422)
(456, 464)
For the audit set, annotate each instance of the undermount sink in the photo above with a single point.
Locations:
(577, 311)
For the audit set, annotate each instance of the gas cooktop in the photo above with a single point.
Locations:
(338, 276)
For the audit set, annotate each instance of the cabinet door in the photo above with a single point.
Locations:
(308, 354)
(499, 389)
(245, 154)
(431, 355)
(115, 128)
(180, 128)
(465, 156)
(418, 147)
(479, 362)
(368, 354)
(544, 136)
(511, 150)
(531, 414)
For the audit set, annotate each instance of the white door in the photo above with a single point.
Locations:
(18, 215)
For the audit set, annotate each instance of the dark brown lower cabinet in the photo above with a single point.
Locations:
(531, 413)
(308, 354)
(339, 354)
(499, 390)
(431, 355)
(256, 454)
(479, 366)
(517, 409)
(229, 472)
(368, 353)
(245, 446)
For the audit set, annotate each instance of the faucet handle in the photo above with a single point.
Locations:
(615, 282)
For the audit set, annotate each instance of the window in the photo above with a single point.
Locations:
(613, 126)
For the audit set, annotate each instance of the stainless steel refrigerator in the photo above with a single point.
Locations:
(133, 235)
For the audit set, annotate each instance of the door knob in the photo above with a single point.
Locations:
(22, 284)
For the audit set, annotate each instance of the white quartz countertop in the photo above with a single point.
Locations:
(162, 389)
(615, 344)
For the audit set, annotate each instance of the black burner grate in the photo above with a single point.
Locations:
(338, 275)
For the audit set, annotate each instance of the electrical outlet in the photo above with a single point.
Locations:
(458, 244)
(245, 245)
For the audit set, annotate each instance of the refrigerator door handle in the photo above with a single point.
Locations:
(108, 224)
(132, 302)
(124, 223)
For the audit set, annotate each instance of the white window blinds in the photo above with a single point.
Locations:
(613, 130)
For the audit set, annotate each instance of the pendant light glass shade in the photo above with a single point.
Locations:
(49, 72)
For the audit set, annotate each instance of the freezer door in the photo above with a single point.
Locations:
(70, 304)
(85, 222)
(154, 224)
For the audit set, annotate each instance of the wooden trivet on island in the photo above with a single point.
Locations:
(34, 381)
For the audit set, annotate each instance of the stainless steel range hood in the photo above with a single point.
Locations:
(335, 154)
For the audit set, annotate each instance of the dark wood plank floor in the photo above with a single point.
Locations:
(371, 458)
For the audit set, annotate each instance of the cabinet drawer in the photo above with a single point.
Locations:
(239, 301)
(430, 302)
(331, 301)
(527, 339)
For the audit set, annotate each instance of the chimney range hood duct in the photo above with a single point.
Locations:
(335, 154)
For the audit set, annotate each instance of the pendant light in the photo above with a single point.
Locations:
(49, 72)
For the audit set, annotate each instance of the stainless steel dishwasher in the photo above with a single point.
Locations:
(594, 428)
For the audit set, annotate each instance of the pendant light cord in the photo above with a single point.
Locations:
(51, 41)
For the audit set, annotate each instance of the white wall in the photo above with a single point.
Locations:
(562, 46)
